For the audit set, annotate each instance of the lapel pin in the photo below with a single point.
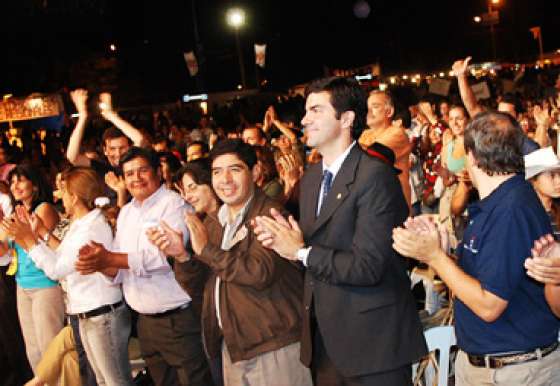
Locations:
(338, 196)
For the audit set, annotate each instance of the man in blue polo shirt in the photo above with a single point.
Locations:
(505, 329)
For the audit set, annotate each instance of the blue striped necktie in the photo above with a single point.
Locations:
(327, 182)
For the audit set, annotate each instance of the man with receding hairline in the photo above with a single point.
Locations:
(505, 329)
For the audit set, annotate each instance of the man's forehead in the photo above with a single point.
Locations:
(117, 141)
(134, 163)
(227, 160)
(322, 98)
(251, 131)
(377, 97)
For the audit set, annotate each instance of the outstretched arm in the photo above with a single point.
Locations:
(79, 97)
(111, 115)
(467, 95)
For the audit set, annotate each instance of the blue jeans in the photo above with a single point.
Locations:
(105, 339)
(86, 372)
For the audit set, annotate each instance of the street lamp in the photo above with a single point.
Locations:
(493, 35)
(477, 19)
(236, 18)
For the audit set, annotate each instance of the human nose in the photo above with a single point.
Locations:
(305, 120)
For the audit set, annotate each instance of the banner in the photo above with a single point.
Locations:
(38, 106)
(192, 64)
(440, 87)
(260, 54)
(508, 86)
(481, 90)
(536, 31)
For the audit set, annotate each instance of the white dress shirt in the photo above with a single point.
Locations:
(230, 227)
(149, 285)
(85, 292)
(334, 168)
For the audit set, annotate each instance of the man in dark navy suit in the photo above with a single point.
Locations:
(361, 326)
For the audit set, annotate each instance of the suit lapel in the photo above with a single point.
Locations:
(339, 190)
(311, 184)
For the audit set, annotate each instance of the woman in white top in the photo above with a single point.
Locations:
(104, 319)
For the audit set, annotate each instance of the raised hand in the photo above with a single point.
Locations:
(419, 239)
(544, 265)
(542, 116)
(197, 231)
(106, 105)
(115, 182)
(19, 229)
(167, 240)
(290, 169)
(279, 234)
(425, 108)
(93, 257)
(460, 67)
(79, 98)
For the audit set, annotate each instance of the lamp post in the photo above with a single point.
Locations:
(236, 19)
(492, 33)
(490, 19)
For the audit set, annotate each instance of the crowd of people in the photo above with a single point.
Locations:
(310, 245)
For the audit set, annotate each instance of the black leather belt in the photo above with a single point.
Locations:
(169, 312)
(99, 311)
(498, 361)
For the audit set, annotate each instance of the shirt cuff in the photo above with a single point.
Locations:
(35, 250)
(303, 254)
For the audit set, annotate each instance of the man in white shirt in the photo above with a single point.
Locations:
(168, 330)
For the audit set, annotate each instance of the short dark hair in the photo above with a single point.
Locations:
(112, 133)
(171, 159)
(42, 190)
(160, 139)
(140, 152)
(203, 146)
(403, 114)
(345, 95)
(460, 107)
(512, 100)
(496, 141)
(243, 151)
(199, 170)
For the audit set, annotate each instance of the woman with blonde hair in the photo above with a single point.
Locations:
(104, 320)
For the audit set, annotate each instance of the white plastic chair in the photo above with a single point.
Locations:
(440, 338)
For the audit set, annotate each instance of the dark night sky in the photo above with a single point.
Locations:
(47, 44)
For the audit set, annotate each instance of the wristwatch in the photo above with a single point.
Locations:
(47, 237)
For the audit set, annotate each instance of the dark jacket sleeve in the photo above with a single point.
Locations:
(246, 263)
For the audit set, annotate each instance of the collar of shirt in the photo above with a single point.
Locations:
(87, 219)
(337, 164)
(223, 214)
(150, 200)
(497, 196)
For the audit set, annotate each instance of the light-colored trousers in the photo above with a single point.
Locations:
(541, 372)
(105, 340)
(275, 368)
(59, 365)
(41, 316)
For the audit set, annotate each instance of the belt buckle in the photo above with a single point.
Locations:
(495, 363)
